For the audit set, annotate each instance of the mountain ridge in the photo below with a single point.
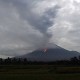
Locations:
(51, 54)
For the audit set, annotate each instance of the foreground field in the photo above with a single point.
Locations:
(39, 72)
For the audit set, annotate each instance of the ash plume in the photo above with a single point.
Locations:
(33, 24)
(44, 22)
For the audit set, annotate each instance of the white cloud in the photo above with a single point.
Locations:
(67, 25)
(14, 31)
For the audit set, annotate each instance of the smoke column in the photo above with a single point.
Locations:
(44, 22)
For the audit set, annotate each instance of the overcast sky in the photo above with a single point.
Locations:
(33, 24)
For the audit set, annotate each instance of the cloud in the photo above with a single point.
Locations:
(29, 25)
(67, 25)
(23, 28)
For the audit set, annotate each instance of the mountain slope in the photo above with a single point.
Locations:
(50, 54)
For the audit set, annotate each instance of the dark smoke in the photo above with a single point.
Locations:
(41, 23)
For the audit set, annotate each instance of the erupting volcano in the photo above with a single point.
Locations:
(51, 53)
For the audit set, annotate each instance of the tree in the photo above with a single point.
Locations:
(25, 60)
(74, 60)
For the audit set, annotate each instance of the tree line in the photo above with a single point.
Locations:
(24, 61)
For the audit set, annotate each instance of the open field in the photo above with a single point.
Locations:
(39, 72)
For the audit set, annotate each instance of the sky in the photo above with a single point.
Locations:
(27, 25)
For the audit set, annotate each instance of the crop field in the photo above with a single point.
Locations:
(39, 72)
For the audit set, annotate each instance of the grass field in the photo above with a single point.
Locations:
(39, 72)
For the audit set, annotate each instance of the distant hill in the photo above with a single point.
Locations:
(50, 54)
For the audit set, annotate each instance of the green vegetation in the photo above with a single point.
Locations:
(39, 72)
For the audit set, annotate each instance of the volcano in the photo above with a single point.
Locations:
(50, 54)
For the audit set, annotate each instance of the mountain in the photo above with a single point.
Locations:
(50, 54)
